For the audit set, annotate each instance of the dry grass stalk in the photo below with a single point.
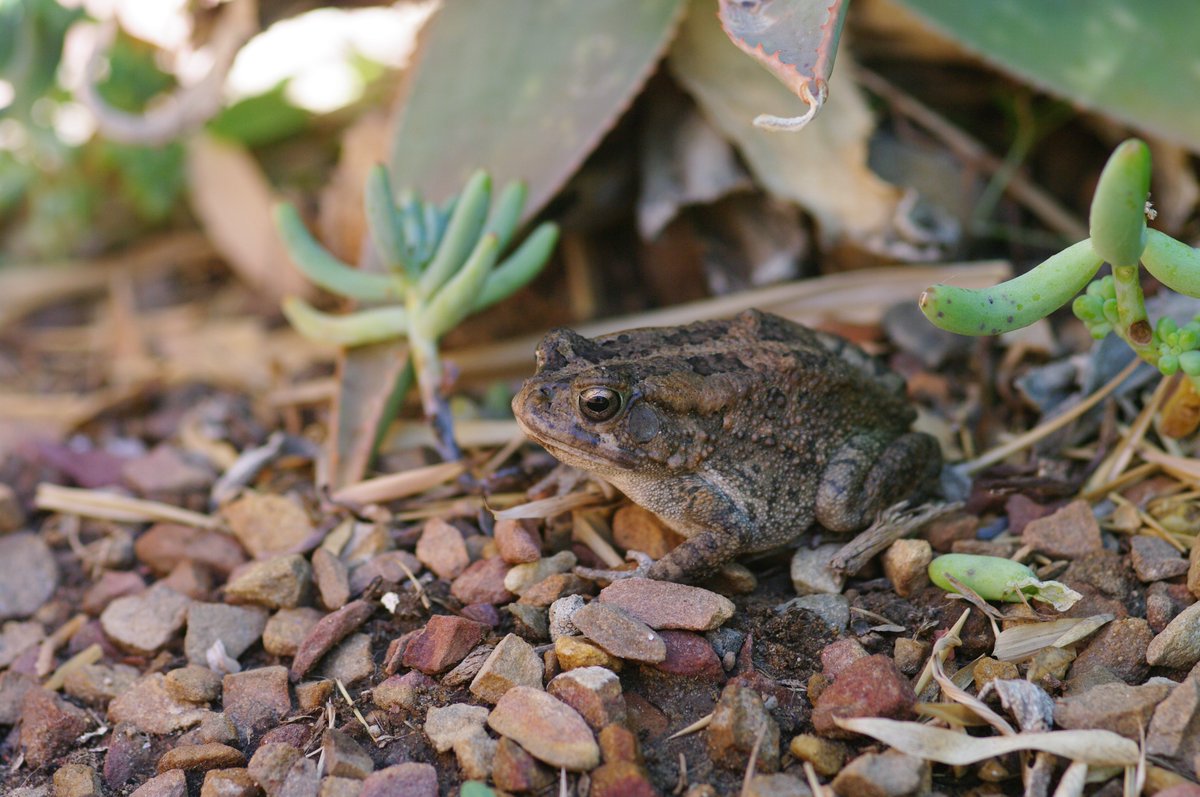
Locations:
(549, 507)
(1118, 460)
(89, 655)
(123, 509)
(586, 528)
(399, 485)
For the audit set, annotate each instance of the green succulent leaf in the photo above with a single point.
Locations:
(452, 303)
(383, 224)
(356, 329)
(326, 270)
(462, 233)
(1118, 217)
(516, 270)
(1172, 262)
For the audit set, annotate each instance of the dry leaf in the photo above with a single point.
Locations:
(1025, 640)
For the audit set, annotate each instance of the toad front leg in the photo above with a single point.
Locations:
(872, 471)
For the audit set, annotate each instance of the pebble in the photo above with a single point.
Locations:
(98, 684)
(16, 638)
(548, 729)
(1069, 533)
(29, 576)
(302, 779)
(191, 579)
(111, 585)
(947, 530)
(826, 756)
(327, 632)
(870, 687)
(165, 473)
(1155, 559)
(573, 652)
(1164, 601)
(812, 573)
(168, 784)
(267, 524)
(403, 780)
(442, 550)
(77, 780)
(271, 763)
(621, 779)
(233, 782)
(886, 774)
(49, 726)
(280, 583)
(1193, 574)
(1115, 707)
(311, 695)
(839, 655)
(514, 770)
(906, 564)
(689, 655)
(388, 565)
(521, 577)
(287, 628)
(255, 700)
(446, 725)
(475, 753)
(237, 627)
(1021, 509)
(517, 541)
(465, 671)
(1120, 648)
(637, 529)
(594, 692)
(332, 579)
(483, 582)
(165, 545)
(988, 669)
(344, 757)
(618, 743)
(444, 642)
(147, 621)
(1048, 667)
(778, 784)
(482, 613)
(12, 514)
(403, 691)
(738, 720)
(351, 661)
(1174, 732)
(193, 684)
(560, 614)
(555, 586)
(130, 755)
(1178, 645)
(619, 633)
(529, 621)
(337, 787)
(148, 706)
(511, 663)
(201, 757)
(910, 655)
(665, 604)
(832, 610)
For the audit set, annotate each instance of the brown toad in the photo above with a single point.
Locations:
(738, 433)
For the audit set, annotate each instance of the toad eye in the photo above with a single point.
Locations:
(599, 403)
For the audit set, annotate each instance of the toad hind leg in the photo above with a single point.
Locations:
(869, 473)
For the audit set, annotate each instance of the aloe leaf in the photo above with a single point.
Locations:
(516, 270)
(355, 329)
(453, 302)
(1118, 216)
(326, 270)
(462, 233)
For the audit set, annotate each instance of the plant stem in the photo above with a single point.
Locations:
(428, 367)
(1135, 328)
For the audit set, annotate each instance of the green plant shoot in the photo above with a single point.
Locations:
(994, 578)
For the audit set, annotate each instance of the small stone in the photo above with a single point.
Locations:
(1048, 667)
(637, 529)
(483, 582)
(592, 691)
(832, 610)
(778, 784)
(329, 631)
(403, 691)
(280, 583)
(827, 757)
(738, 720)
(145, 622)
(1120, 648)
(391, 566)
(148, 706)
(1193, 574)
(1115, 707)
(12, 514)
(193, 684)
(442, 550)
(689, 655)
(949, 529)
(403, 780)
(621, 779)
(98, 684)
(351, 661)
(255, 700)
(555, 586)
(886, 774)
(445, 726)
(344, 757)
(988, 669)
(906, 565)
(812, 571)
(573, 652)
(529, 621)
(200, 757)
(164, 545)
(332, 579)
(665, 604)
(165, 473)
(1174, 732)
(233, 782)
(29, 576)
(287, 628)
(465, 671)
(312, 695)
(837, 656)
(49, 726)
(910, 655)
(267, 525)
(560, 614)
(111, 585)
(340, 787)
(77, 780)
(517, 541)
(237, 628)
(521, 577)
(443, 642)
(1178, 645)
(475, 753)
(514, 770)
(16, 638)
(511, 663)
(870, 687)
(1155, 559)
(1021, 509)
(168, 784)
(191, 579)
(270, 764)
(550, 730)
(1069, 533)
(618, 743)
(302, 780)
(619, 632)
(1164, 601)
(482, 613)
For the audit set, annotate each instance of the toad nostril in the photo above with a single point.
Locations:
(545, 392)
